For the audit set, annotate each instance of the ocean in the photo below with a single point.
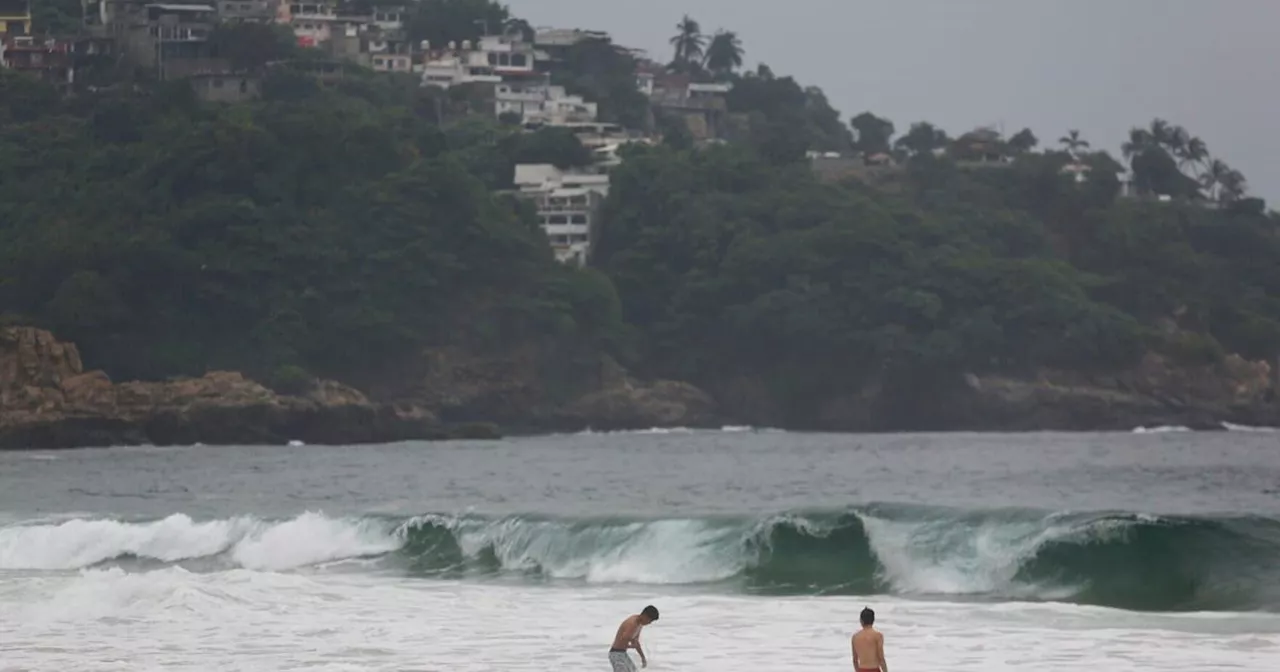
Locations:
(1143, 551)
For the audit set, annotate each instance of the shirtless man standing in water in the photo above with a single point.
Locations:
(868, 645)
(628, 637)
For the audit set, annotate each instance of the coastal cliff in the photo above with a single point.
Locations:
(49, 400)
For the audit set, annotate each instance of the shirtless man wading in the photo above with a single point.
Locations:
(868, 645)
(628, 637)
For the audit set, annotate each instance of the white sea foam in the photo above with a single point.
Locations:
(110, 620)
(306, 540)
(1162, 429)
(1232, 427)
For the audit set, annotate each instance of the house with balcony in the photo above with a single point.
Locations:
(48, 59)
(702, 106)
(312, 22)
(456, 65)
(247, 11)
(171, 40)
(554, 44)
(389, 51)
(15, 17)
(568, 207)
(226, 87)
(390, 18)
(540, 102)
(509, 56)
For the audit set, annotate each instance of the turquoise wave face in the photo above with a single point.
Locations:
(1115, 559)
(1120, 560)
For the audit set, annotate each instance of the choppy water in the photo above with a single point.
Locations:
(1026, 552)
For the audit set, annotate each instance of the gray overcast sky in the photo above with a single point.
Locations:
(1101, 66)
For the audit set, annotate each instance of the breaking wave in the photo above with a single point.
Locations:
(1124, 560)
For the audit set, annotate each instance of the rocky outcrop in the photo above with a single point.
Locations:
(1154, 393)
(663, 403)
(532, 390)
(48, 400)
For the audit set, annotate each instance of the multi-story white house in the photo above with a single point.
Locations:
(453, 66)
(568, 206)
(494, 58)
(539, 102)
(390, 17)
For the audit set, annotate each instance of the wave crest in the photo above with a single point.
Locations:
(1112, 559)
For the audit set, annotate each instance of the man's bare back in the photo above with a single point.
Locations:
(868, 646)
(628, 632)
(628, 637)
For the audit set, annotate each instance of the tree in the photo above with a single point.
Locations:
(56, 17)
(521, 28)
(596, 69)
(724, 53)
(1073, 143)
(922, 138)
(872, 133)
(689, 43)
(1023, 141)
(1139, 140)
(252, 45)
(1223, 183)
(1194, 153)
(443, 21)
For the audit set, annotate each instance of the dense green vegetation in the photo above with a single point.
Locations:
(332, 230)
(339, 230)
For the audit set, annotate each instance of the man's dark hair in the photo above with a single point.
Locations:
(867, 616)
(651, 612)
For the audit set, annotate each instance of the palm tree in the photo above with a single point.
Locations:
(1073, 142)
(724, 53)
(1140, 140)
(1214, 176)
(1162, 134)
(1233, 187)
(688, 43)
(1194, 152)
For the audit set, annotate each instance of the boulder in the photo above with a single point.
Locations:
(47, 400)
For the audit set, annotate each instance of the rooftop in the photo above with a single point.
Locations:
(182, 8)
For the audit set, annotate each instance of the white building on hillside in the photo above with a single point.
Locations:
(454, 66)
(493, 59)
(541, 103)
(568, 206)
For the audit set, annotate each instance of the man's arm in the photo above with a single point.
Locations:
(635, 644)
(884, 665)
(853, 644)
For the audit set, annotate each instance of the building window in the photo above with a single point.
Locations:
(579, 219)
(558, 219)
(378, 62)
(493, 58)
(519, 60)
